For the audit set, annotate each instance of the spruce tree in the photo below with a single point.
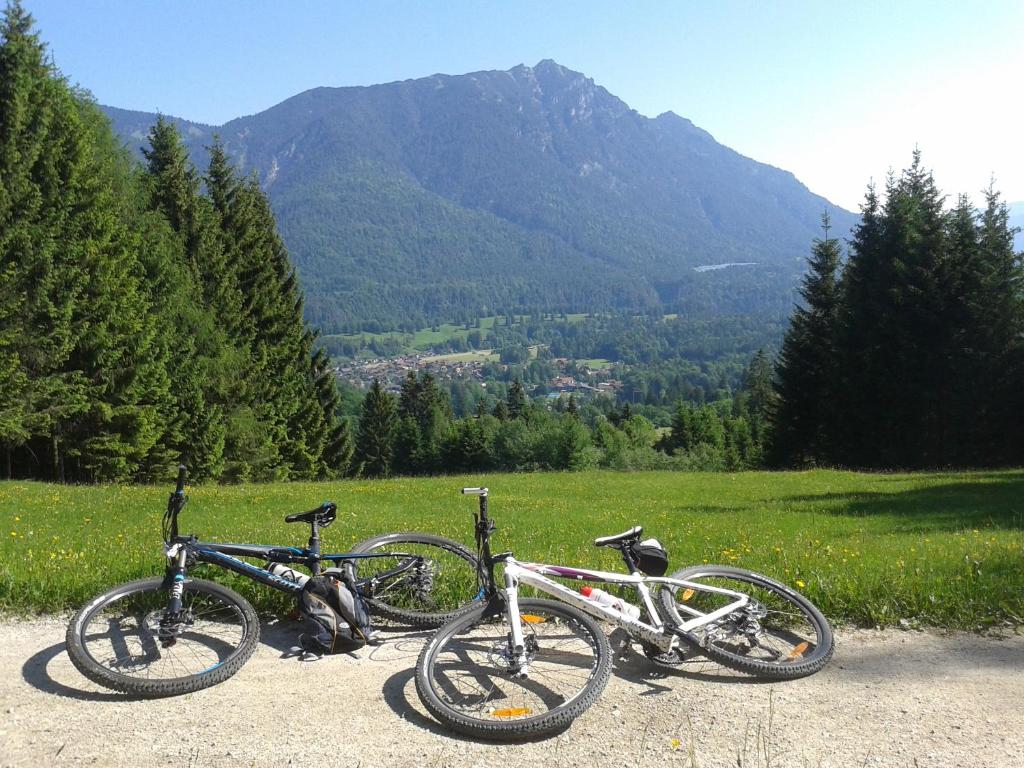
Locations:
(803, 430)
(207, 373)
(515, 402)
(997, 312)
(87, 383)
(42, 164)
(119, 353)
(375, 441)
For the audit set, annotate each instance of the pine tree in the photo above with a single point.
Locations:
(338, 446)
(42, 162)
(87, 381)
(572, 408)
(501, 411)
(895, 332)
(207, 373)
(803, 431)
(377, 423)
(424, 413)
(997, 312)
(515, 402)
(119, 353)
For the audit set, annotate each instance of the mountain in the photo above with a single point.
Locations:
(534, 188)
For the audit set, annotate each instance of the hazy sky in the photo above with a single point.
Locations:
(836, 94)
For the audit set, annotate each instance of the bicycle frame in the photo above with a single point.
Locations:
(535, 575)
(655, 632)
(184, 552)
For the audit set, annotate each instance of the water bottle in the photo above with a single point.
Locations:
(601, 597)
(283, 571)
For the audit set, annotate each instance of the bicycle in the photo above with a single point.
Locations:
(177, 634)
(517, 667)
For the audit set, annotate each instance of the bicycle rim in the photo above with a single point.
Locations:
(469, 680)
(779, 633)
(437, 579)
(128, 635)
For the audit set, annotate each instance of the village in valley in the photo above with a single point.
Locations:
(570, 376)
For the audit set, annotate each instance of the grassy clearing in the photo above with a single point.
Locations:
(936, 549)
(481, 355)
(423, 339)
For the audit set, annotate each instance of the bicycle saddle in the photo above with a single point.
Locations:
(323, 515)
(632, 533)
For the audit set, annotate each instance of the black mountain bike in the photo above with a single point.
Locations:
(177, 634)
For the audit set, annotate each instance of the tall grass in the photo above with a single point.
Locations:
(934, 549)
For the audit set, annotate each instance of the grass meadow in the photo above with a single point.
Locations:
(934, 549)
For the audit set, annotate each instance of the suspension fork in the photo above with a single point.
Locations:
(177, 556)
(518, 660)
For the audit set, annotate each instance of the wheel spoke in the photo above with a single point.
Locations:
(129, 636)
(777, 633)
(471, 671)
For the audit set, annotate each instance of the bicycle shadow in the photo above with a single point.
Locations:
(632, 665)
(394, 693)
(36, 672)
(392, 640)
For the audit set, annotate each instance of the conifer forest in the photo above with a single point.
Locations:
(151, 315)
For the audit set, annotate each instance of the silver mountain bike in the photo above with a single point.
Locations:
(521, 667)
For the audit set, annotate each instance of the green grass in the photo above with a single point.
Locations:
(936, 549)
(423, 339)
(428, 337)
(482, 355)
(595, 363)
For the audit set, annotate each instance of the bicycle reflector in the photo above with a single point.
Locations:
(797, 652)
(687, 595)
(529, 618)
(511, 712)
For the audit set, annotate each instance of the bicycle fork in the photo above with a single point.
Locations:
(177, 558)
(519, 662)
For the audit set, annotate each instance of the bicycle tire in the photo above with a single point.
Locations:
(222, 608)
(423, 599)
(555, 657)
(810, 645)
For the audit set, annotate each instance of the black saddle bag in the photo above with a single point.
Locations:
(336, 616)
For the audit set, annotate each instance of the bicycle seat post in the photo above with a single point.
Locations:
(481, 493)
(314, 546)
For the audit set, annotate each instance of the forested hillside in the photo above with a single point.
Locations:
(143, 321)
(450, 197)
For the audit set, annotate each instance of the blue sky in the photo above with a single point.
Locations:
(837, 94)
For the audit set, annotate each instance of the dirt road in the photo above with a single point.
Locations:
(887, 699)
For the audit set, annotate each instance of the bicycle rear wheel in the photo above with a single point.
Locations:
(440, 585)
(467, 679)
(779, 634)
(122, 639)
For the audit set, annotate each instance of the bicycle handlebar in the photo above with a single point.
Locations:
(474, 491)
(181, 480)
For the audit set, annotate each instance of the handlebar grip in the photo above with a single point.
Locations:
(474, 491)
(181, 480)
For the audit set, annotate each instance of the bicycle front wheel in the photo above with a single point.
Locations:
(779, 634)
(467, 678)
(440, 584)
(124, 639)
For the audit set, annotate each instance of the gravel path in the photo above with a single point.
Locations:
(887, 699)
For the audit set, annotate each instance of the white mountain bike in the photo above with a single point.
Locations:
(520, 667)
